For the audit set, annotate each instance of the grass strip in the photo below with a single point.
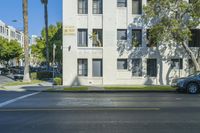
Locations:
(145, 88)
(15, 83)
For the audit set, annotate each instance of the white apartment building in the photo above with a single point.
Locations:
(12, 33)
(98, 49)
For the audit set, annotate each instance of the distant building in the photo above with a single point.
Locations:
(33, 39)
(12, 33)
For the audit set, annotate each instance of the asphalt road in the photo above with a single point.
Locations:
(32, 112)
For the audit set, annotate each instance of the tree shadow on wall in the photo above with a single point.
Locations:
(163, 52)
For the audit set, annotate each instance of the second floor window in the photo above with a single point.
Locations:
(151, 42)
(137, 38)
(121, 3)
(195, 39)
(97, 38)
(82, 37)
(136, 6)
(82, 6)
(97, 6)
(121, 34)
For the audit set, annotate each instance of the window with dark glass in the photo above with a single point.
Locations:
(82, 6)
(121, 34)
(136, 6)
(121, 3)
(97, 70)
(177, 63)
(137, 37)
(82, 38)
(97, 6)
(150, 41)
(82, 67)
(152, 67)
(191, 66)
(195, 38)
(137, 67)
(122, 64)
(97, 38)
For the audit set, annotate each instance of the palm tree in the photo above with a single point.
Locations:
(45, 3)
(26, 41)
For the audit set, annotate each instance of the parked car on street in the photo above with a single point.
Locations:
(18, 75)
(190, 84)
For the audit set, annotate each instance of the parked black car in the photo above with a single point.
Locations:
(190, 84)
(19, 75)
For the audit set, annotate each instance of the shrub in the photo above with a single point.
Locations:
(33, 76)
(44, 75)
(57, 81)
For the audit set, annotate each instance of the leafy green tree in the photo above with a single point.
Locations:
(9, 50)
(55, 37)
(37, 52)
(172, 20)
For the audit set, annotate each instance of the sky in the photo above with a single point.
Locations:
(12, 10)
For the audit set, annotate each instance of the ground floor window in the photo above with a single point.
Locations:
(137, 67)
(82, 67)
(191, 66)
(177, 63)
(152, 67)
(97, 70)
(122, 64)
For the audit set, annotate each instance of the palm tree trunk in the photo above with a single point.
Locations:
(47, 34)
(26, 42)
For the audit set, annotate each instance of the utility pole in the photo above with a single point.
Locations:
(54, 54)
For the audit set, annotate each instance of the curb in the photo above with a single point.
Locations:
(111, 91)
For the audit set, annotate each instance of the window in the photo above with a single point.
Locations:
(1, 29)
(18, 36)
(191, 1)
(97, 38)
(82, 6)
(136, 6)
(151, 42)
(121, 34)
(121, 64)
(12, 34)
(97, 6)
(121, 3)
(191, 66)
(195, 39)
(177, 63)
(137, 67)
(82, 67)
(152, 67)
(137, 37)
(97, 68)
(82, 37)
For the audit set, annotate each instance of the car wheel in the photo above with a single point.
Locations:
(193, 88)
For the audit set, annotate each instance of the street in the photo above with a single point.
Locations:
(44, 112)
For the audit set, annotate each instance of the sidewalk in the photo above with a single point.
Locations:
(31, 87)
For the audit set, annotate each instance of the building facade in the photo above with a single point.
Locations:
(105, 43)
(12, 33)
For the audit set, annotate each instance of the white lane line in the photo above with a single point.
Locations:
(17, 99)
